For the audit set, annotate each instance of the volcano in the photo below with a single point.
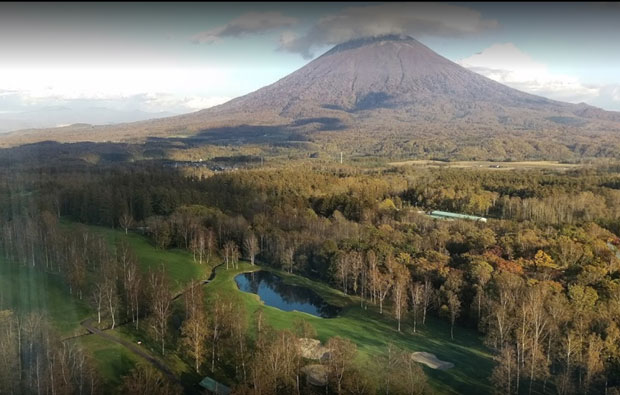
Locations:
(389, 85)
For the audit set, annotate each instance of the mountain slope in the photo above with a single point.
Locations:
(366, 85)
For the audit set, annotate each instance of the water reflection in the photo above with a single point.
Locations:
(274, 292)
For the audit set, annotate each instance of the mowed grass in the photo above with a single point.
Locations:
(179, 264)
(112, 360)
(372, 332)
(25, 290)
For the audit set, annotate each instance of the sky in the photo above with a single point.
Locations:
(103, 60)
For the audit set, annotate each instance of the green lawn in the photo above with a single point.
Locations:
(181, 269)
(113, 361)
(24, 290)
(372, 332)
(178, 263)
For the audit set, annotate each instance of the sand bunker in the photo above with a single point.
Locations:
(312, 349)
(431, 360)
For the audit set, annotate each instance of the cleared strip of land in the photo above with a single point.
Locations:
(490, 165)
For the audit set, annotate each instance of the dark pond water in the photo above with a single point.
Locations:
(274, 292)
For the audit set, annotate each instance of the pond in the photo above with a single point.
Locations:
(274, 292)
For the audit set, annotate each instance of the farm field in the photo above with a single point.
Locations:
(524, 165)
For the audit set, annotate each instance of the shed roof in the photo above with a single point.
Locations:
(214, 386)
(446, 214)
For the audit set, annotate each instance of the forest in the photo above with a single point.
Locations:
(538, 283)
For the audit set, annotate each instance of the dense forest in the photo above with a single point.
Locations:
(539, 281)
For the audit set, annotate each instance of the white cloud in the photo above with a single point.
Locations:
(417, 19)
(250, 23)
(199, 103)
(108, 82)
(20, 111)
(507, 64)
(615, 93)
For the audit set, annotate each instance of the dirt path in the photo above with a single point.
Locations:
(203, 282)
(88, 324)
(154, 361)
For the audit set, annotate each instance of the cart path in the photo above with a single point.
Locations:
(156, 362)
(153, 360)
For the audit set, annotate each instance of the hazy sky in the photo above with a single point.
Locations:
(186, 56)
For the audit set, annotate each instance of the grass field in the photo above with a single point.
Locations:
(372, 332)
(25, 290)
(525, 165)
(179, 264)
(113, 361)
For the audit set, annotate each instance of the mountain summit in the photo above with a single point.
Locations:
(371, 85)
(374, 77)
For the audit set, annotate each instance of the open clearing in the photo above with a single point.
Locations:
(525, 165)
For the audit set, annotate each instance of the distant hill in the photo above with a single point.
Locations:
(369, 94)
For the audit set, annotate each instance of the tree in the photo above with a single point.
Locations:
(342, 354)
(250, 244)
(480, 273)
(161, 300)
(98, 297)
(287, 258)
(145, 380)
(593, 361)
(537, 318)
(415, 294)
(276, 365)
(304, 329)
(221, 311)
(503, 373)
(110, 288)
(230, 252)
(373, 274)
(126, 221)
(384, 284)
(111, 297)
(401, 278)
(160, 229)
(450, 290)
(134, 280)
(454, 308)
(582, 299)
(403, 375)
(542, 261)
(427, 296)
(343, 267)
(195, 329)
(9, 352)
(234, 255)
(238, 338)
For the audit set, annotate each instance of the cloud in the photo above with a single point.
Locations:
(507, 64)
(250, 23)
(155, 102)
(615, 93)
(21, 111)
(416, 19)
